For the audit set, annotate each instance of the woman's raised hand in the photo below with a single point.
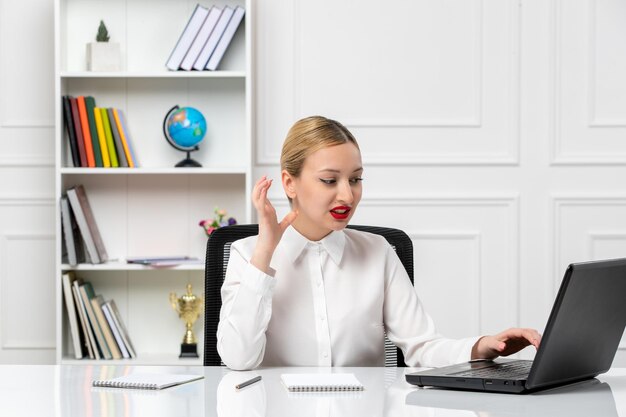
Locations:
(270, 230)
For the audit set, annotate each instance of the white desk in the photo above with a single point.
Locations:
(66, 391)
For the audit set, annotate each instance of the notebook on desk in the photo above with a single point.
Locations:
(321, 382)
(580, 340)
(146, 381)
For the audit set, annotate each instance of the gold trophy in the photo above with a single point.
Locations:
(189, 307)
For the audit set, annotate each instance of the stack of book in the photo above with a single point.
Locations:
(98, 137)
(205, 38)
(81, 237)
(98, 331)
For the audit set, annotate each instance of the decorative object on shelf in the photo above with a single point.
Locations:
(188, 307)
(209, 225)
(103, 55)
(184, 128)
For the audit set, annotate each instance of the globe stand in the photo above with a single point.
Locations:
(188, 162)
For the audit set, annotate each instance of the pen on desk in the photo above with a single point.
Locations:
(249, 382)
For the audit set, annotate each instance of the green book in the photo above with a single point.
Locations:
(87, 293)
(90, 103)
(107, 132)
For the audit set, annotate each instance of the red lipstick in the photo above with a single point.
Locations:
(340, 212)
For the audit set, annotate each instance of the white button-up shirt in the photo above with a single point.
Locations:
(326, 303)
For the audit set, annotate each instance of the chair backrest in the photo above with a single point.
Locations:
(217, 255)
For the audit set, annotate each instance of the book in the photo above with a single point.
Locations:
(187, 37)
(214, 38)
(227, 36)
(119, 323)
(71, 234)
(121, 156)
(120, 131)
(78, 130)
(81, 220)
(86, 294)
(117, 334)
(91, 222)
(201, 39)
(89, 338)
(321, 382)
(67, 278)
(107, 333)
(87, 224)
(109, 137)
(97, 115)
(71, 135)
(146, 381)
(129, 141)
(84, 123)
(90, 104)
(163, 260)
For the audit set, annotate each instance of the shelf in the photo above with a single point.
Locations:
(154, 74)
(152, 171)
(123, 266)
(153, 209)
(141, 359)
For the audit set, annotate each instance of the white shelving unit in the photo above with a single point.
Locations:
(152, 210)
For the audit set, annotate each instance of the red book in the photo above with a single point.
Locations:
(79, 132)
(84, 122)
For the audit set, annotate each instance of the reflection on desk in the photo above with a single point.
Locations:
(584, 399)
(66, 391)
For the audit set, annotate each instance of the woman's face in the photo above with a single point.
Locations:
(327, 191)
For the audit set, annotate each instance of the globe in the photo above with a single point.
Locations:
(184, 128)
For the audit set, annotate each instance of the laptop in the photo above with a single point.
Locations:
(579, 342)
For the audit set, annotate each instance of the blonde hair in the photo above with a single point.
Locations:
(309, 135)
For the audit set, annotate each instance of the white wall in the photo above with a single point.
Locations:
(491, 131)
(27, 290)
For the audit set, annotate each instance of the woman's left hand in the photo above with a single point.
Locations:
(505, 343)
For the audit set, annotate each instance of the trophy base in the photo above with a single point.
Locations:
(188, 350)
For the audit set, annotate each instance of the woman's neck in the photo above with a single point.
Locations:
(313, 233)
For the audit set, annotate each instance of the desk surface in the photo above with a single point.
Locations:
(66, 391)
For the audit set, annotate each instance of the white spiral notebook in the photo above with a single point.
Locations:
(321, 382)
(146, 381)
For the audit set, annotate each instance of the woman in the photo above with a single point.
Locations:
(309, 292)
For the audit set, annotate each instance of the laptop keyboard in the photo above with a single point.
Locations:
(513, 370)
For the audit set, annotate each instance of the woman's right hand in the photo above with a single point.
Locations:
(270, 230)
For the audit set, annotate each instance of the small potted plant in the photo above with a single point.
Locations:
(220, 220)
(103, 55)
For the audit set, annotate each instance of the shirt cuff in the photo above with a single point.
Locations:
(258, 281)
(466, 353)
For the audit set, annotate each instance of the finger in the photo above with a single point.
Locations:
(288, 219)
(497, 345)
(257, 187)
(530, 335)
(260, 194)
(533, 337)
(263, 193)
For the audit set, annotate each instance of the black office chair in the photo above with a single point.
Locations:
(218, 252)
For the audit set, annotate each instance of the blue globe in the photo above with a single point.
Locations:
(186, 127)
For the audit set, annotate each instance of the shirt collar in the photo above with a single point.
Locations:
(294, 244)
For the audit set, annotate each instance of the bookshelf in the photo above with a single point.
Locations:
(152, 210)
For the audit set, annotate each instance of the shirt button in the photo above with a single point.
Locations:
(319, 282)
(322, 318)
(325, 354)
